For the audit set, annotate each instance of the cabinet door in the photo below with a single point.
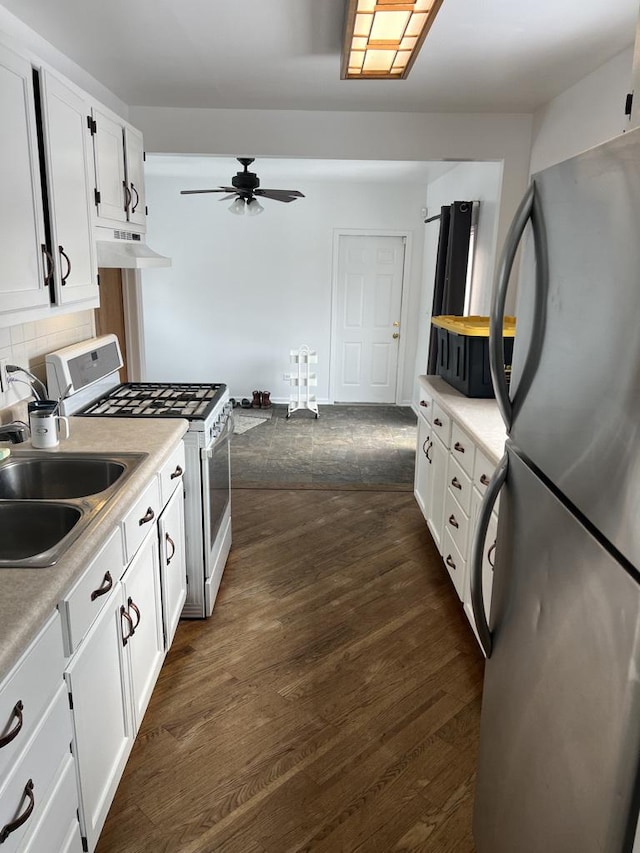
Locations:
(435, 516)
(70, 188)
(422, 478)
(108, 147)
(173, 568)
(98, 678)
(146, 645)
(134, 163)
(22, 236)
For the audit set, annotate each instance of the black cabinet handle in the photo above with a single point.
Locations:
(137, 201)
(452, 521)
(484, 480)
(15, 731)
(125, 615)
(177, 473)
(489, 554)
(64, 255)
(131, 605)
(8, 828)
(449, 562)
(457, 446)
(49, 258)
(127, 196)
(105, 586)
(147, 517)
(437, 421)
(173, 545)
(456, 483)
(426, 453)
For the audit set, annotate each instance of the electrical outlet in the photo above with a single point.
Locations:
(4, 376)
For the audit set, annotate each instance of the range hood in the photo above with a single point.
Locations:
(126, 250)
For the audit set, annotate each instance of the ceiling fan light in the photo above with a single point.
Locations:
(254, 208)
(237, 206)
(383, 37)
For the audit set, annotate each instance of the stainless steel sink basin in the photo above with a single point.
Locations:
(48, 500)
(57, 478)
(34, 531)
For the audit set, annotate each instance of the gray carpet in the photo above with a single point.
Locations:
(347, 446)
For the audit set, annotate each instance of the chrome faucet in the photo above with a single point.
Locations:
(16, 432)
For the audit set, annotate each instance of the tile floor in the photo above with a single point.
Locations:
(346, 446)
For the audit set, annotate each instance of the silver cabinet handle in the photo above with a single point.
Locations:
(477, 551)
(498, 301)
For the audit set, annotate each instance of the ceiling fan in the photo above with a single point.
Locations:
(246, 191)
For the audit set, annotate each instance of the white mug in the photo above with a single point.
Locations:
(45, 429)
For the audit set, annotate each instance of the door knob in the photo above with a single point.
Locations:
(396, 323)
(395, 335)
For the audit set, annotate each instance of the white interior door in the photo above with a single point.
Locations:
(368, 302)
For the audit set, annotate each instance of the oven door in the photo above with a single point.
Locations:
(216, 492)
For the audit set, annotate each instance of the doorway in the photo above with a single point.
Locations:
(368, 284)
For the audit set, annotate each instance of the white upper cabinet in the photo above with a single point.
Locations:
(70, 186)
(119, 171)
(22, 233)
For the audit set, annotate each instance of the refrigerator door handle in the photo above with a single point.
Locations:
(498, 302)
(477, 550)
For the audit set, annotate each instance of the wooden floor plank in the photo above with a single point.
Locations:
(331, 703)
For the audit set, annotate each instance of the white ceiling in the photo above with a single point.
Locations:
(480, 56)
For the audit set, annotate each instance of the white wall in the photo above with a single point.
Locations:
(588, 113)
(242, 291)
(467, 182)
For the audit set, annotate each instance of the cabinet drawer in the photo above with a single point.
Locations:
(459, 484)
(38, 768)
(141, 519)
(456, 522)
(58, 828)
(462, 449)
(28, 690)
(91, 593)
(425, 407)
(456, 565)
(171, 473)
(441, 423)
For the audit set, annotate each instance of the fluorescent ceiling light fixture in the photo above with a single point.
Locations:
(382, 37)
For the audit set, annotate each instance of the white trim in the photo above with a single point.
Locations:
(404, 306)
(133, 325)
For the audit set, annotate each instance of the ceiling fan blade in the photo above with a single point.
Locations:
(275, 193)
(219, 190)
(227, 197)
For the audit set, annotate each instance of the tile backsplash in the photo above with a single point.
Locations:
(28, 343)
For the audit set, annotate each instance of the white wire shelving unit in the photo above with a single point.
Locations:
(302, 380)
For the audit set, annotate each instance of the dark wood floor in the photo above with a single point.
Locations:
(330, 704)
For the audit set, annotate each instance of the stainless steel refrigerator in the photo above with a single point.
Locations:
(559, 757)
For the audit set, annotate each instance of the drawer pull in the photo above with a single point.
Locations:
(490, 552)
(452, 521)
(125, 615)
(133, 606)
(17, 712)
(177, 473)
(424, 403)
(457, 446)
(425, 449)
(105, 586)
(449, 562)
(456, 483)
(147, 517)
(8, 828)
(426, 453)
(437, 421)
(484, 479)
(173, 545)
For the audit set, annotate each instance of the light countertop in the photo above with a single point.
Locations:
(29, 596)
(479, 417)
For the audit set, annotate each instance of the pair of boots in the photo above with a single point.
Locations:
(261, 400)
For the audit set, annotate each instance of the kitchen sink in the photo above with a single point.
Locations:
(58, 478)
(33, 532)
(47, 501)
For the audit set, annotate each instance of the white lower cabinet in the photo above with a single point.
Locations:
(449, 486)
(173, 567)
(58, 828)
(98, 678)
